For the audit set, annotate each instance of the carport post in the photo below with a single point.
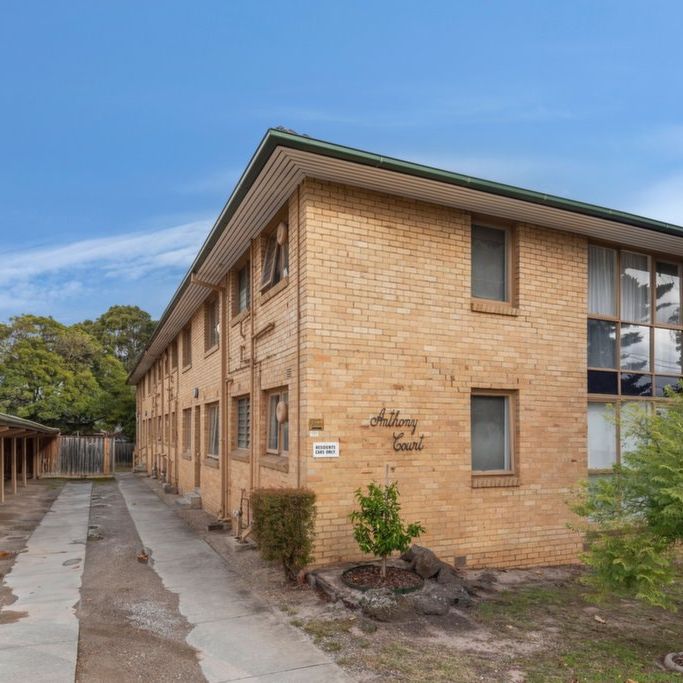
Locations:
(14, 465)
(36, 448)
(23, 462)
(2, 470)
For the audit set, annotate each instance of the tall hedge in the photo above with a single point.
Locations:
(283, 524)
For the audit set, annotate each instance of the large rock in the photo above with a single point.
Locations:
(425, 562)
(383, 604)
(430, 603)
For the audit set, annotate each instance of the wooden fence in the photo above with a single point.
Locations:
(88, 456)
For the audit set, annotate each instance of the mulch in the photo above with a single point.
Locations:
(365, 577)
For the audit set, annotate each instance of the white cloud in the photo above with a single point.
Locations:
(663, 200)
(71, 279)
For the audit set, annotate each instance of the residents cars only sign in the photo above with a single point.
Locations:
(326, 449)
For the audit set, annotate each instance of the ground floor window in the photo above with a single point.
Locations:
(610, 431)
(491, 432)
(243, 422)
(187, 430)
(212, 430)
(277, 438)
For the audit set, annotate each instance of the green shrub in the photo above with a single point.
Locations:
(283, 522)
(377, 526)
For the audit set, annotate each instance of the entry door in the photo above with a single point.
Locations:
(197, 446)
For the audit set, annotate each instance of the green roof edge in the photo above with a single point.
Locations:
(280, 138)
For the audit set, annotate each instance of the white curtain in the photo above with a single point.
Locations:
(635, 287)
(602, 437)
(601, 280)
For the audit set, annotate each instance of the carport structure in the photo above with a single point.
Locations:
(24, 444)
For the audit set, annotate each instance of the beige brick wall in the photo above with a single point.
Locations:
(381, 286)
(392, 326)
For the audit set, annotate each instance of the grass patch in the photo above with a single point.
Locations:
(320, 629)
(422, 664)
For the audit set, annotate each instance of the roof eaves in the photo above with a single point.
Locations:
(275, 138)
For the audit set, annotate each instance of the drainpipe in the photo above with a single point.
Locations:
(253, 400)
(163, 418)
(223, 339)
(298, 336)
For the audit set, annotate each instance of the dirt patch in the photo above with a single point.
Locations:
(365, 577)
(130, 626)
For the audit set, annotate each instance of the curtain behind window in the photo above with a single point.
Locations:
(602, 267)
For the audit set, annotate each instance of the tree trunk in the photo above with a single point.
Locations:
(383, 569)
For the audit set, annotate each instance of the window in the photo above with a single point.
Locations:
(212, 430)
(278, 422)
(602, 291)
(635, 331)
(491, 433)
(275, 263)
(610, 431)
(174, 354)
(243, 422)
(242, 299)
(211, 323)
(187, 346)
(490, 263)
(187, 430)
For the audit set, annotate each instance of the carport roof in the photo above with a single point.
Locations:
(14, 424)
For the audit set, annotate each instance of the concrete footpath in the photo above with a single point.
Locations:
(236, 635)
(42, 643)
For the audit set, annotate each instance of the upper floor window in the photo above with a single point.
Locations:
(275, 264)
(174, 354)
(490, 263)
(211, 323)
(635, 335)
(187, 345)
(243, 289)
(277, 441)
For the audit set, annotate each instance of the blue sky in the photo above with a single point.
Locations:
(124, 125)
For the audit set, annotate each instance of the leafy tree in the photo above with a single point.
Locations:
(633, 519)
(62, 376)
(377, 526)
(123, 331)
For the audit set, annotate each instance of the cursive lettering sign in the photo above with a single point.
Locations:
(393, 419)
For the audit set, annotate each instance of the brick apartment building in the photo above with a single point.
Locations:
(352, 317)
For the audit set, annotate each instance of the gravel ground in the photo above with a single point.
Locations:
(130, 626)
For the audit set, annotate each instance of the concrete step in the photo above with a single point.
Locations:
(191, 500)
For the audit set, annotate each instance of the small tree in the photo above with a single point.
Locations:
(633, 519)
(377, 526)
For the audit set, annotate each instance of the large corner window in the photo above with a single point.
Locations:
(491, 433)
(275, 262)
(490, 263)
(211, 322)
(277, 438)
(635, 333)
(212, 430)
(635, 343)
